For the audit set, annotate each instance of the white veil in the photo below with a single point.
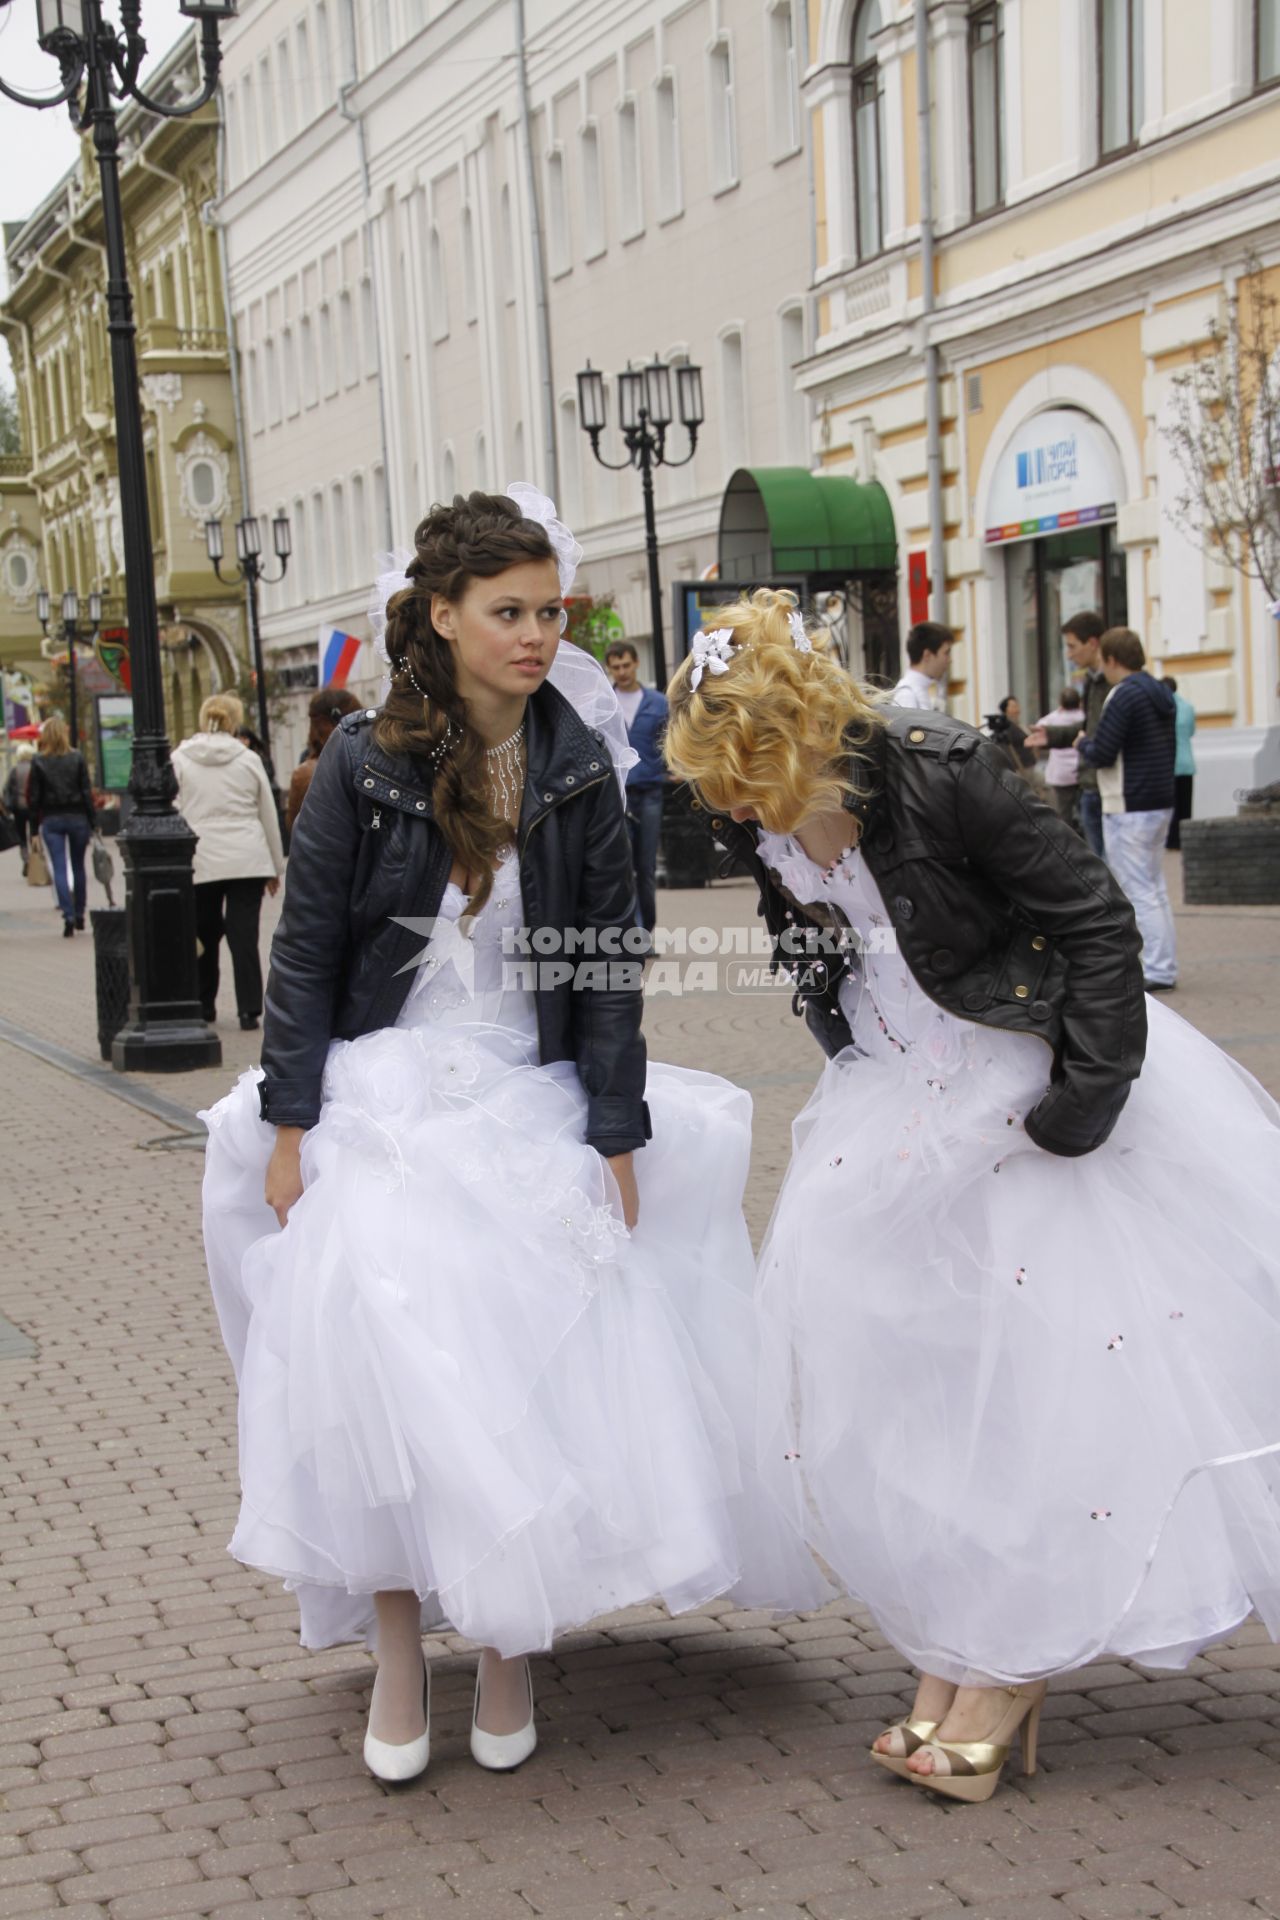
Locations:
(574, 673)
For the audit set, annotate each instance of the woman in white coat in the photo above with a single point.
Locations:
(225, 798)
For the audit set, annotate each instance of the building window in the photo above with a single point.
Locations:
(368, 329)
(306, 75)
(1266, 42)
(1119, 74)
(347, 338)
(450, 476)
(289, 369)
(437, 287)
(733, 400)
(559, 256)
(482, 463)
(630, 177)
(571, 461)
(783, 72)
(320, 552)
(593, 237)
(507, 242)
(328, 358)
(231, 118)
(340, 576)
(986, 107)
(667, 117)
(360, 538)
(307, 361)
(469, 309)
(722, 116)
(284, 84)
(249, 123)
(868, 131)
(271, 383)
(266, 102)
(795, 406)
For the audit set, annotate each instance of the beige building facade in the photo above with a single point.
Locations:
(1105, 172)
(60, 499)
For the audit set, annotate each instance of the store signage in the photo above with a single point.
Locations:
(1059, 471)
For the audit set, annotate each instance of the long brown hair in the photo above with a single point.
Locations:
(324, 710)
(480, 536)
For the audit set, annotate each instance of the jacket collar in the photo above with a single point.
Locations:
(564, 755)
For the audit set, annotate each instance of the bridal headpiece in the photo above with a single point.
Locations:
(712, 652)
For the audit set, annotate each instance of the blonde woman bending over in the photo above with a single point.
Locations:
(1024, 1445)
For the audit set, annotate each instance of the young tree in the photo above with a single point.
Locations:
(1224, 432)
(10, 429)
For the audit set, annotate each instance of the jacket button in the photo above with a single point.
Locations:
(395, 793)
(548, 796)
(1039, 944)
(422, 806)
(371, 713)
(942, 960)
(571, 779)
(975, 1001)
(1040, 1009)
(368, 783)
(595, 766)
(1022, 993)
(716, 825)
(904, 908)
(916, 735)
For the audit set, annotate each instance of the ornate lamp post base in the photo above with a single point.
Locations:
(165, 1031)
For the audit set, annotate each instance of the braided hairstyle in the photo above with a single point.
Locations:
(480, 536)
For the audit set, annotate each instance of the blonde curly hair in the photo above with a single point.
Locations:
(775, 732)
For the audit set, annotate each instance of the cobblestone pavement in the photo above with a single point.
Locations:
(166, 1748)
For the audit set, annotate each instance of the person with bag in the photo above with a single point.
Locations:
(60, 802)
(226, 799)
(17, 796)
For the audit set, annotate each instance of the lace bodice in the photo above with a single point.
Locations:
(889, 1013)
(473, 974)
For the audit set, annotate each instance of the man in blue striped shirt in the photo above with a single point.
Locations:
(1134, 747)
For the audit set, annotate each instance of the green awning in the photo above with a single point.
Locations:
(786, 520)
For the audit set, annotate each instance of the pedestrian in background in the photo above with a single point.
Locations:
(1134, 749)
(1081, 636)
(16, 794)
(924, 683)
(1184, 766)
(60, 808)
(324, 711)
(1062, 769)
(226, 800)
(644, 713)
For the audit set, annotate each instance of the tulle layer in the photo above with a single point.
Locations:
(1032, 1402)
(458, 1373)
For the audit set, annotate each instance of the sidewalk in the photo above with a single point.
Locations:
(166, 1748)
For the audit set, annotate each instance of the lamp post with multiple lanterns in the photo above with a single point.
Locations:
(645, 414)
(251, 570)
(100, 63)
(71, 632)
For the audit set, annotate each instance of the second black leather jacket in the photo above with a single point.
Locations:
(366, 852)
(59, 784)
(1002, 913)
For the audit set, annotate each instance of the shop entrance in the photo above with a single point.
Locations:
(1046, 582)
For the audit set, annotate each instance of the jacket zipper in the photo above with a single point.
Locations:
(587, 787)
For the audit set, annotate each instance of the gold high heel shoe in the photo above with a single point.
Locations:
(912, 1735)
(970, 1769)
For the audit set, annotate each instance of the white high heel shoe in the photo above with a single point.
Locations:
(399, 1764)
(500, 1752)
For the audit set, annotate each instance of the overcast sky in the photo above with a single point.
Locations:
(36, 149)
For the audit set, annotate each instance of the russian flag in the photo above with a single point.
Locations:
(338, 652)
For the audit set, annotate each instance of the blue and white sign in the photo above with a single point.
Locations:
(1059, 471)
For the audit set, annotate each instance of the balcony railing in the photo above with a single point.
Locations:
(161, 336)
(14, 465)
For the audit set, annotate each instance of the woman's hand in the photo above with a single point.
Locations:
(284, 1172)
(273, 887)
(622, 1167)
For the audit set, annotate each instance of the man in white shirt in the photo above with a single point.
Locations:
(923, 684)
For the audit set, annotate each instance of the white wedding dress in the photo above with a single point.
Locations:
(1033, 1402)
(458, 1373)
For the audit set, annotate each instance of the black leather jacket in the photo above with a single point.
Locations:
(366, 850)
(1002, 913)
(59, 784)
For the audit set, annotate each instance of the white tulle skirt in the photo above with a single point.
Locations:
(459, 1375)
(1033, 1402)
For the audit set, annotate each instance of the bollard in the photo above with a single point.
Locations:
(110, 972)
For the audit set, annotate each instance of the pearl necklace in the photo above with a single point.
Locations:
(505, 766)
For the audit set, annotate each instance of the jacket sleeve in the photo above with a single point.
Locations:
(1040, 864)
(1106, 742)
(268, 817)
(609, 1048)
(310, 950)
(35, 795)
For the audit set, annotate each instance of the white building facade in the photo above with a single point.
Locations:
(378, 216)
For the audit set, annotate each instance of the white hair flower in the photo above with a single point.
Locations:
(795, 620)
(710, 653)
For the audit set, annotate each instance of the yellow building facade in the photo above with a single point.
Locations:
(60, 521)
(1105, 182)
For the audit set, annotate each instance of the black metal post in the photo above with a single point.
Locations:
(253, 573)
(651, 551)
(165, 1031)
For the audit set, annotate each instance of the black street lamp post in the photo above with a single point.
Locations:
(100, 63)
(645, 413)
(252, 571)
(71, 632)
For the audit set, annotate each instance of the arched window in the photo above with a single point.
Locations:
(571, 462)
(482, 463)
(868, 131)
(437, 287)
(469, 310)
(449, 477)
(733, 400)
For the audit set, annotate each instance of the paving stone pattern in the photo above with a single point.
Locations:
(166, 1748)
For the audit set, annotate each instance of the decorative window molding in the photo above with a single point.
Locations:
(987, 159)
(782, 68)
(722, 119)
(559, 244)
(594, 236)
(437, 285)
(666, 115)
(868, 106)
(204, 479)
(630, 169)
